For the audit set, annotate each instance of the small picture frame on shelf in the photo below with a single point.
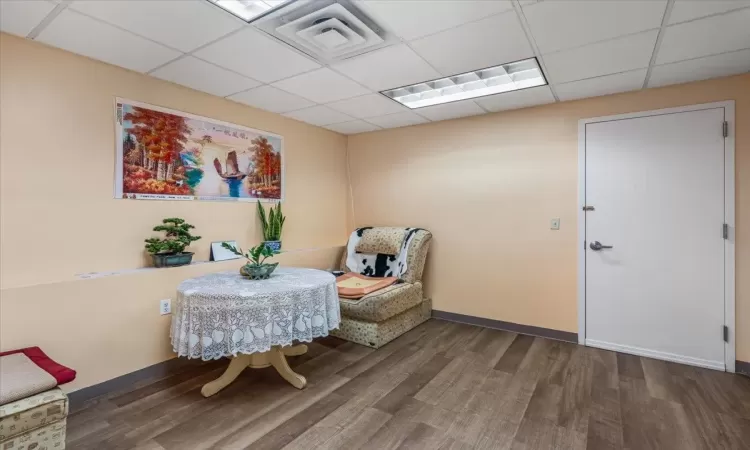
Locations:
(219, 253)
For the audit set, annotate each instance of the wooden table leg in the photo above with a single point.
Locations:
(236, 366)
(278, 361)
(275, 357)
(295, 350)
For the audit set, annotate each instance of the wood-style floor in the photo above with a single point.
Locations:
(440, 386)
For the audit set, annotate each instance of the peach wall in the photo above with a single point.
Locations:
(58, 217)
(488, 186)
(110, 326)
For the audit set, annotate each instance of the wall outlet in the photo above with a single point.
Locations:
(554, 224)
(165, 306)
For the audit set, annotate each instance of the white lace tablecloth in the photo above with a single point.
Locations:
(223, 314)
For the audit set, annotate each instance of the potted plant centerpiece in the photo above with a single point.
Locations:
(272, 226)
(170, 251)
(256, 269)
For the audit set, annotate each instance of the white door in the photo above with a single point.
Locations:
(656, 185)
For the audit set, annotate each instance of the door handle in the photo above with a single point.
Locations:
(596, 246)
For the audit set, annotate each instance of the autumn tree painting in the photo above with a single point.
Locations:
(267, 174)
(153, 161)
(165, 153)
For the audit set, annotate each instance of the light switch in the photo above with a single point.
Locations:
(554, 224)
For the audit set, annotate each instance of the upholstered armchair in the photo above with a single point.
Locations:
(383, 315)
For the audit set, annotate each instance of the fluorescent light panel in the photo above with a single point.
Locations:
(248, 9)
(479, 83)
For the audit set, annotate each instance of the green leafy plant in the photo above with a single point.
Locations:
(273, 223)
(256, 255)
(178, 237)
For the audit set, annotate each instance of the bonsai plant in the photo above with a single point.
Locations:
(170, 251)
(272, 225)
(256, 269)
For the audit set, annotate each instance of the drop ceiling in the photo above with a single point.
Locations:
(586, 48)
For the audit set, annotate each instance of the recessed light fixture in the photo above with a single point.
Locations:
(249, 10)
(492, 80)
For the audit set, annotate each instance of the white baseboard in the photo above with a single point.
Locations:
(716, 365)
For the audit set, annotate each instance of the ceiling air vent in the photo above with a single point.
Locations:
(327, 30)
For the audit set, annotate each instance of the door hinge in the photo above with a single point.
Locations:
(725, 128)
(726, 333)
(725, 231)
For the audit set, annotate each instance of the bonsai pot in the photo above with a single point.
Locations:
(273, 245)
(172, 259)
(257, 272)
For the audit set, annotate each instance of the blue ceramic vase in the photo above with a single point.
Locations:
(273, 245)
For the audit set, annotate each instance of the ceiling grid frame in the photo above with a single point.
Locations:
(604, 41)
(67, 4)
(659, 38)
(60, 7)
(721, 13)
(530, 37)
(190, 53)
(701, 57)
(714, 65)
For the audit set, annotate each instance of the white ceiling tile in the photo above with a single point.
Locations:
(451, 110)
(401, 119)
(390, 67)
(517, 99)
(321, 86)
(271, 99)
(692, 9)
(21, 16)
(411, 19)
(353, 127)
(180, 24)
(370, 105)
(605, 85)
(603, 58)
(254, 55)
(488, 42)
(203, 76)
(89, 37)
(557, 25)
(319, 115)
(704, 37)
(701, 68)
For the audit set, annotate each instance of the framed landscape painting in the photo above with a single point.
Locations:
(164, 154)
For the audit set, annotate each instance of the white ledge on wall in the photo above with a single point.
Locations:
(89, 275)
(92, 275)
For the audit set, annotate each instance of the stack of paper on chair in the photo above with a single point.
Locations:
(355, 286)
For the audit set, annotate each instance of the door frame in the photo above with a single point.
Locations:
(729, 216)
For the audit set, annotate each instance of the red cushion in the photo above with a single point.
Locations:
(61, 373)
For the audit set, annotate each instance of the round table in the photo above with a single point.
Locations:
(253, 321)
